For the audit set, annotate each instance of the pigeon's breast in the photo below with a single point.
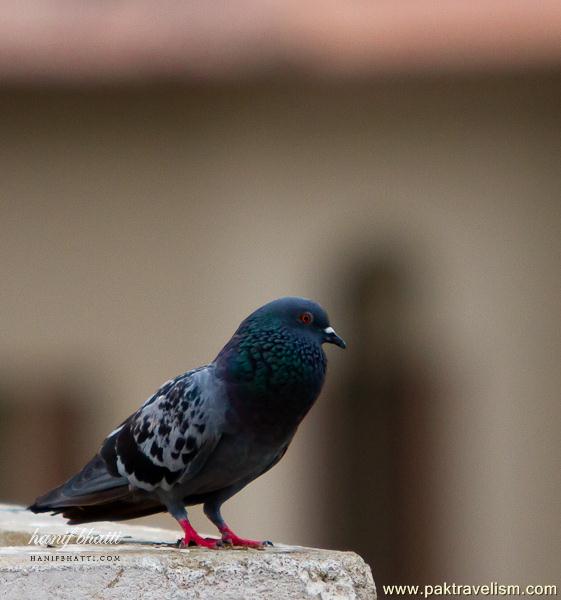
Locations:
(271, 384)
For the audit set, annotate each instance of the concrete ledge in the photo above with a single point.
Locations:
(145, 564)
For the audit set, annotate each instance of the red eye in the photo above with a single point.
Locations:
(306, 318)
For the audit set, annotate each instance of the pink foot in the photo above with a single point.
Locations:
(229, 537)
(192, 538)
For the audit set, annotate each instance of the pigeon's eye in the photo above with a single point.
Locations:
(306, 318)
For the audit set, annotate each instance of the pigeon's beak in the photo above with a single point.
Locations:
(332, 338)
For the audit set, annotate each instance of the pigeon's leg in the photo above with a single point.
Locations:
(192, 538)
(212, 511)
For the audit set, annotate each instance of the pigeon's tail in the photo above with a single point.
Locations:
(94, 494)
(120, 510)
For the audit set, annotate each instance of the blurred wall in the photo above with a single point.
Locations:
(140, 225)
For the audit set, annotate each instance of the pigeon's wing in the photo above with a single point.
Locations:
(172, 435)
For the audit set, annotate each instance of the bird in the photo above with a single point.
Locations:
(206, 434)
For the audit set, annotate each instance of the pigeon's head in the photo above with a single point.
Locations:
(304, 317)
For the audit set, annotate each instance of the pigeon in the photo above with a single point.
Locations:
(206, 434)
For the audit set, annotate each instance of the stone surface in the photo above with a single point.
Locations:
(146, 564)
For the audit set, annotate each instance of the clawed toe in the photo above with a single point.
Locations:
(202, 543)
(192, 538)
(243, 543)
(199, 542)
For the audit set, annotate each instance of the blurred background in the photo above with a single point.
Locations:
(168, 167)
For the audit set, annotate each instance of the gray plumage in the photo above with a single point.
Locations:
(207, 433)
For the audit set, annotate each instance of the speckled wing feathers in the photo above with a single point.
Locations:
(171, 436)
